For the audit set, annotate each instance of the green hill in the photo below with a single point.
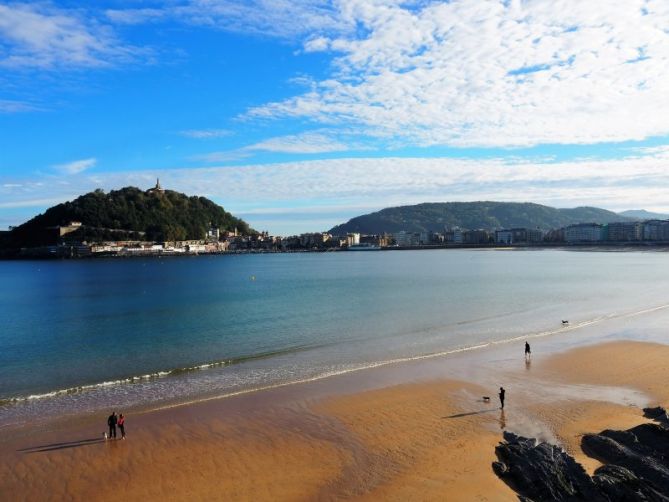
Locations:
(472, 215)
(129, 213)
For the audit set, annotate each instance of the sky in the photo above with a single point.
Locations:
(298, 115)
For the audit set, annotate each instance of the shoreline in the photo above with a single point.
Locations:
(409, 430)
(477, 351)
(623, 246)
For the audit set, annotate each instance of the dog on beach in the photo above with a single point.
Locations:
(565, 322)
(486, 399)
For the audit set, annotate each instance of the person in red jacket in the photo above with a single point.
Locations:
(121, 425)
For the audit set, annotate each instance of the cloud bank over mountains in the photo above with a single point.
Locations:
(318, 194)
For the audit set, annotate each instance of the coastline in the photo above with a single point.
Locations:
(86, 399)
(416, 429)
(609, 246)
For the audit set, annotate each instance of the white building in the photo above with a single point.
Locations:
(353, 239)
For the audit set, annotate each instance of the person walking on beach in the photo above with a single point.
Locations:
(502, 392)
(528, 352)
(121, 425)
(111, 422)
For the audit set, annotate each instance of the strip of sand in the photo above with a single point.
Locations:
(425, 439)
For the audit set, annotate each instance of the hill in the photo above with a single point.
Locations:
(472, 215)
(642, 214)
(128, 213)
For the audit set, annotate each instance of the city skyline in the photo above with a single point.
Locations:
(297, 116)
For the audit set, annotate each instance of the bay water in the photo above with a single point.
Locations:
(79, 336)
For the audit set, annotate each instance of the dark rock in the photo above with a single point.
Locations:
(658, 414)
(542, 471)
(618, 484)
(636, 466)
(642, 450)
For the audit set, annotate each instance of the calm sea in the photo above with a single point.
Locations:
(86, 335)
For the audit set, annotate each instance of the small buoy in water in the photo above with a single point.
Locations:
(253, 277)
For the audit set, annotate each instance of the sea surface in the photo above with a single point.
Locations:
(83, 336)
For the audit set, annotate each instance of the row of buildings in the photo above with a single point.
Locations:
(217, 241)
(651, 231)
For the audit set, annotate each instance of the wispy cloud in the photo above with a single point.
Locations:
(303, 143)
(137, 16)
(205, 133)
(276, 18)
(493, 73)
(224, 156)
(75, 167)
(12, 106)
(300, 143)
(40, 35)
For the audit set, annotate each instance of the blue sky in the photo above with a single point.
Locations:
(298, 115)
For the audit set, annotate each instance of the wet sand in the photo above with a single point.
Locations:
(416, 431)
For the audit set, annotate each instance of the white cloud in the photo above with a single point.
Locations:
(224, 156)
(303, 143)
(39, 35)
(206, 133)
(75, 167)
(317, 44)
(493, 73)
(300, 143)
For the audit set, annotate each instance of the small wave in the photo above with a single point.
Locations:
(153, 376)
(320, 376)
(377, 364)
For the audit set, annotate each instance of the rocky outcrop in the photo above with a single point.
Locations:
(636, 466)
(541, 471)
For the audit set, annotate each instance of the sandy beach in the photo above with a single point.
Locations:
(408, 432)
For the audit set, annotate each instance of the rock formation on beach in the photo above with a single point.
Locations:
(635, 465)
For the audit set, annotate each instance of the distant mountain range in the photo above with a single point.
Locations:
(128, 213)
(642, 214)
(488, 215)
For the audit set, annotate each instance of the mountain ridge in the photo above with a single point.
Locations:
(489, 215)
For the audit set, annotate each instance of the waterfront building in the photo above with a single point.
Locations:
(583, 232)
(353, 239)
(406, 239)
(213, 234)
(476, 236)
(534, 235)
(454, 235)
(656, 230)
(518, 235)
(425, 238)
(624, 231)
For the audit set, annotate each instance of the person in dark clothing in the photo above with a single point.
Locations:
(111, 422)
(501, 396)
(528, 352)
(121, 425)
